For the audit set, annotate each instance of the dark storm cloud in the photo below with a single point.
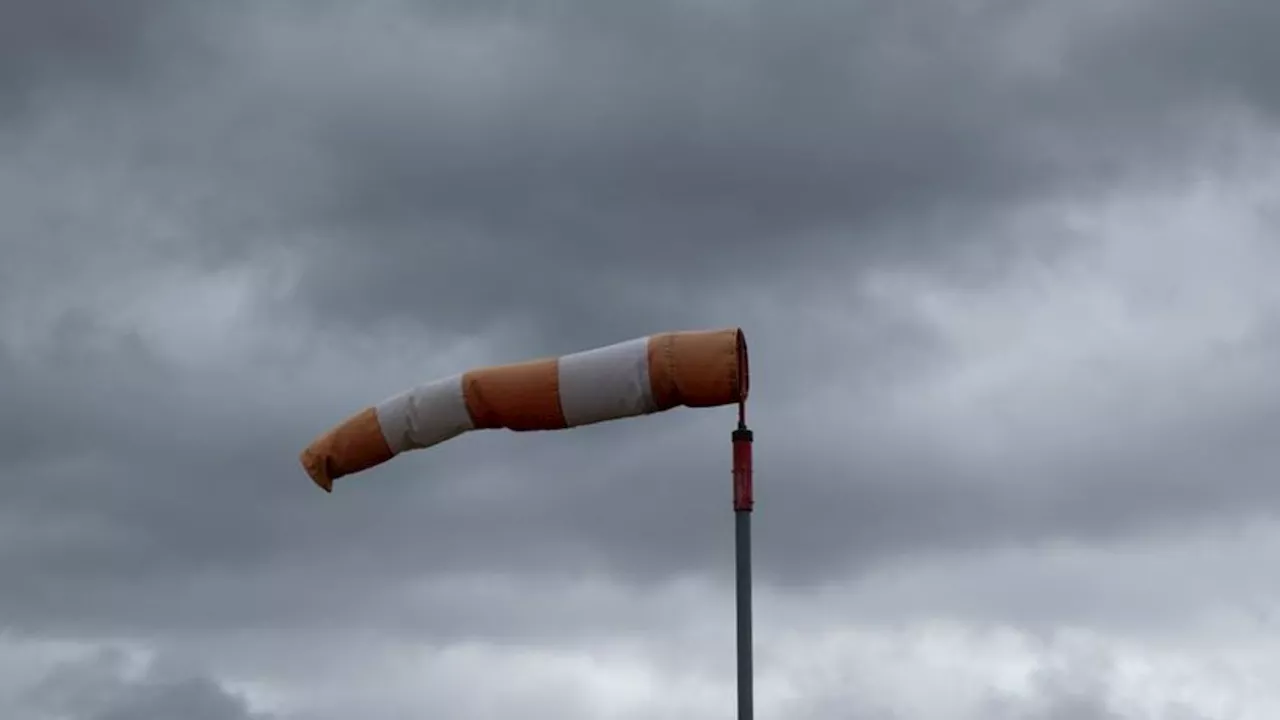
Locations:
(669, 148)
(622, 153)
(1220, 51)
(47, 46)
(659, 150)
(584, 148)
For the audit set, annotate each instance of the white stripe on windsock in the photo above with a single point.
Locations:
(425, 415)
(606, 383)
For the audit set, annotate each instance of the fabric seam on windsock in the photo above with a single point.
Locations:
(662, 372)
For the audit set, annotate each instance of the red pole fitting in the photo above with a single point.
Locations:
(743, 497)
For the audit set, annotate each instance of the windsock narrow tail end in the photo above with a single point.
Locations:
(314, 465)
(357, 444)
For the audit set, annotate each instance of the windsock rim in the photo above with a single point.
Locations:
(744, 366)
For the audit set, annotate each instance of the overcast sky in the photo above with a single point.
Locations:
(1007, 269)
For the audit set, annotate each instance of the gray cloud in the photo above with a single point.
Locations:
(49, 50)
(393, 192)
(1076, 692)
(101, 687)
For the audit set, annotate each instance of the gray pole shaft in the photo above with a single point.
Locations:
(742, 549)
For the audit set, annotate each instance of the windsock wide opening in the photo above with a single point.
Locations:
(698, 368)
(744, 366)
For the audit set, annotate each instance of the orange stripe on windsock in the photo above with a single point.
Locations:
(357, 444)
(521, 396)
(698, 369)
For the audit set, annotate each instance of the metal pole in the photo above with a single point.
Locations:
(743, 501)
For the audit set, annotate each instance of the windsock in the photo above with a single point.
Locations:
(638, 377)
